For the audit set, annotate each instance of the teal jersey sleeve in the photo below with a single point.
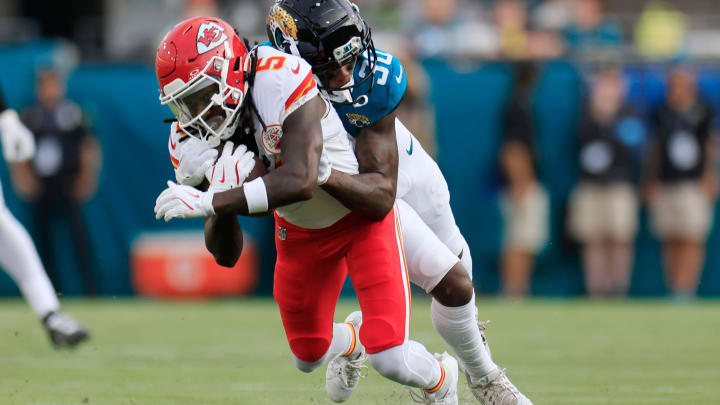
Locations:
(388, 88)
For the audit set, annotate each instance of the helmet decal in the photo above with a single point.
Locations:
(210, 35)
(279, 18)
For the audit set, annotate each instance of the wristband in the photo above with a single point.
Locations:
(256, 196)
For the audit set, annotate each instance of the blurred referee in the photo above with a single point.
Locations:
(17, 253)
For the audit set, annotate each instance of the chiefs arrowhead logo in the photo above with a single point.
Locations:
(210, 35)
(271, 139)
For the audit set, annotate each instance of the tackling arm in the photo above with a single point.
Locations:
(372, 192)
(296, 178)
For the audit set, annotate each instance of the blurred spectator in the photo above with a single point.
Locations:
(63, 174)
(525, 204)
(199, 8)
(416, 111)
(592, 33)
(660, 31)
(604, 205)
(446, 30)
(682, 188)
(511, 22)
(516, 40)
(553, 15)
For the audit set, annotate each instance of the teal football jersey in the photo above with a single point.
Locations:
(388, 90)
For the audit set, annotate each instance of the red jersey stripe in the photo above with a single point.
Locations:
(305, 86)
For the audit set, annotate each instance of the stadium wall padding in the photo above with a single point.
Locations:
(121, 101)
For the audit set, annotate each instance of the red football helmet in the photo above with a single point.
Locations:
(200, 67)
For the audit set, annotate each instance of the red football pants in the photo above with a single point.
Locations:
(310, 272)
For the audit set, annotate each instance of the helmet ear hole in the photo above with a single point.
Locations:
(280, 41)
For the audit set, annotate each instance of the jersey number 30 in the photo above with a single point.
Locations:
(382, 67)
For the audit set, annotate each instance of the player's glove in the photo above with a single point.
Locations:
(180, 201)
(17, 141)
(231, 169)
(196, 157)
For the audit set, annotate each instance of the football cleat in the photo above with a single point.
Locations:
(447, 393)
(64, 330)
(344, 372)
(496, 389)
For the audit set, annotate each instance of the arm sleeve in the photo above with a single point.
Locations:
(283, 83)
(397, 85)
(299, 89)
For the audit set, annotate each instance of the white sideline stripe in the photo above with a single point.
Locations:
(404, 273)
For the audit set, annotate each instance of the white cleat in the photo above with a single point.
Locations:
(447, 394)
(344, 373)
(496, 389)
(64, 330)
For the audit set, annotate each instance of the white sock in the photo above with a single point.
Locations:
(341, 343)
(458, 326)
(20, 259)
(408, 364)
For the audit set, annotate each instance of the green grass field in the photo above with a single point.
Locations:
(234, 352)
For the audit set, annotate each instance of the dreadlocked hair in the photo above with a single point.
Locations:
(245, 133)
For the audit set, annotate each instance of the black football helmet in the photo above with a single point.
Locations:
(328, 34)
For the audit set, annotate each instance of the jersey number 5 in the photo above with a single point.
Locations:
(271, 63)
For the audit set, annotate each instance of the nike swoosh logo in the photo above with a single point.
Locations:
(409, 151)
(186, 204)
(297, 69)
(222, 180)
(400, 76)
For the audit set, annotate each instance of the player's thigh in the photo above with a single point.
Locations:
(377, 270)
(422, 185)
(428, 259)
(307, 285)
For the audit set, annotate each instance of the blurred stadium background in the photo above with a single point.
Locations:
(106, 49)
(468, 62)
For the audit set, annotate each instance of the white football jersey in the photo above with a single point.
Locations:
(283, 83)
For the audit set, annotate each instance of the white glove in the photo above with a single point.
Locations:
(324, 168)
(17, 141)
(196, 157)
(231, 169)
(179, 201)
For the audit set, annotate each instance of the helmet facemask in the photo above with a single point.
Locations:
(348, 54)
(206, 107)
